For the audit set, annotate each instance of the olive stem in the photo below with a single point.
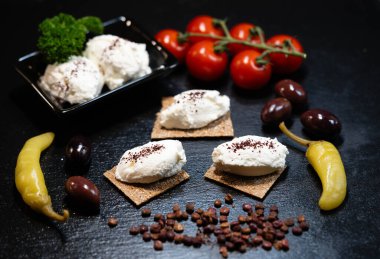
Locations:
(48, 211)
(294, 137)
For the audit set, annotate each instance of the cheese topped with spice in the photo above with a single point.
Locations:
(120, 60)
(75, 81)
(194, 109)
(151, 162)
(250, 156)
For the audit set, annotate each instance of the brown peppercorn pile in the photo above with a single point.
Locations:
(251, 229)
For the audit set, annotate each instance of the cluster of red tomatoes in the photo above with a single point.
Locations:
(204, 63)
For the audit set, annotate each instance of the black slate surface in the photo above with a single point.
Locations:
(341, 75)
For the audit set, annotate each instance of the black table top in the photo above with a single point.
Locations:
(341, 75)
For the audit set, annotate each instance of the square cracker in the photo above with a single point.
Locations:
(141, 193)
(256, 186)
(222, 127)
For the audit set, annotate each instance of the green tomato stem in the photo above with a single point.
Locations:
(264, 46)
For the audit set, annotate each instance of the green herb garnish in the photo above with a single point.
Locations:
(63, 36)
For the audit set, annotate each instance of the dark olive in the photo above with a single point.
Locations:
(321, 123)
(78, 151)
(292, 91)
(83, 192)
(276, 110)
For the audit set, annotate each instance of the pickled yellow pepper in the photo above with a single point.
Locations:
(325, 159)
(30, 180)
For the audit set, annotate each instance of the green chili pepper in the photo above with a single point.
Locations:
(30, 180)
(326, 161)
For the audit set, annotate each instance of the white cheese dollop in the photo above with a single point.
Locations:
(120, 60)
(194, 109)
(151, 162)
(75, 81)
(250, 156)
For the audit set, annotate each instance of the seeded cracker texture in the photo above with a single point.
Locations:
(222, 127)
(142, 193)
(257, 186)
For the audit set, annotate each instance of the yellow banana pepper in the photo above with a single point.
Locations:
(30, 180)
(325, 159)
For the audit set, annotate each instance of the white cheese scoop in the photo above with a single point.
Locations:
(194, 109)
(120, 60)
(250, 156)
(151, 162)
(75, 81)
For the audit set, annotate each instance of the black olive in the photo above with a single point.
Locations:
(276, 110)
(292, 91)
(83, 192)
(321, 123)
(78, 151)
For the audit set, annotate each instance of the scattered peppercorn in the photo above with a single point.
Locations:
(259, 206)
(289, 222)
(284, 228)
(257, 240)
(199, 211)
(224, 211)
(246, 230)
(247, 207)
(217, 203)
(266, 245)
(170, 235)
(112, 222)
(176, 207)
(178, 239)
(187, 240)
(158, 216)
(223, 251)
(237, 235)
(301, 218)
(195, 216)
(228, 198)
(178, 228)
(190, 207)
(304, 225)
(285, 244)
(199, 222)
(145, 212)
(184, 215)
(197, 241)
(158, 245)
(170, 216)
(134, 230)
(155, 228)
(143, 229)
(146, 237)
(296, 230)
(242, 219)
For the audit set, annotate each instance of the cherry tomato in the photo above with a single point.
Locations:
(203, 63)
(285, 64)
(203, 24)
(241, 31)
(169, 39)
(246, 73)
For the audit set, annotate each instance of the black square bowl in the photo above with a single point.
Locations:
(32, 66)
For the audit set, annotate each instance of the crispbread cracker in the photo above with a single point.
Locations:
(141, 193)
(256, 186)
(222, 127)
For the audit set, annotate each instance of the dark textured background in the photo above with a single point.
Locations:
(341, 74)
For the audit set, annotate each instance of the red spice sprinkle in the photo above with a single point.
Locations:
(193, 96)
(250, 144)
(144, 152)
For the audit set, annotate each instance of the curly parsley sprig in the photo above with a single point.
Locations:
(63, 36)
